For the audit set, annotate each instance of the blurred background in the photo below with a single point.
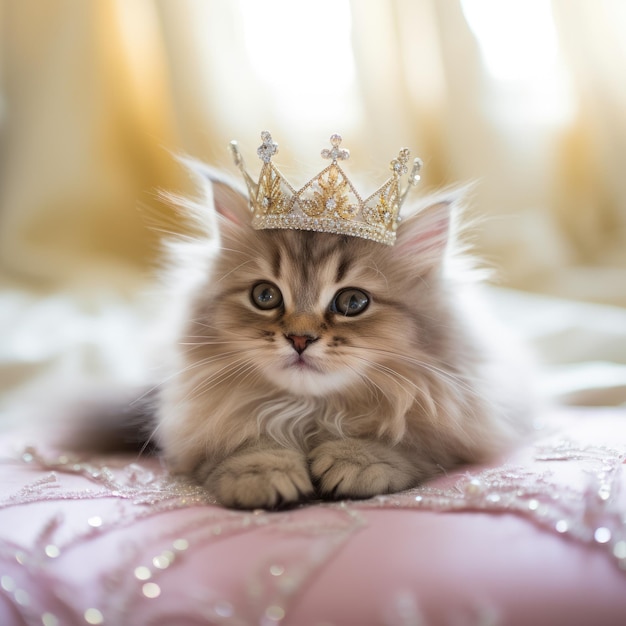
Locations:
(525, 97)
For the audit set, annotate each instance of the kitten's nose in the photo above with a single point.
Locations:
(300, 342)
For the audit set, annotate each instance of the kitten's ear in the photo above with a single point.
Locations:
(221, 193)
(425, 234)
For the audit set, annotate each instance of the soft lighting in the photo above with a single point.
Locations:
(519, 46)
(301, 52)
(517, 38)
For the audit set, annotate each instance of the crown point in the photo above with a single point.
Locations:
(234, 150)
(414, 177)
(268, 148)
(328, 202)
(336, 152)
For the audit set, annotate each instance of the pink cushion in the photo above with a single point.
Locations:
(538, 539)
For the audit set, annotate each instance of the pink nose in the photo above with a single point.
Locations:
(300, 342)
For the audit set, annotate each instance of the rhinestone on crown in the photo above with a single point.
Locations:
(329, 202)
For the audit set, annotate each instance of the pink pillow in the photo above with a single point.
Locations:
(538, 539)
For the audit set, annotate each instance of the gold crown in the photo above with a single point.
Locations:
(329, 202)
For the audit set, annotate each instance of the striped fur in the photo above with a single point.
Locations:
(379, 402)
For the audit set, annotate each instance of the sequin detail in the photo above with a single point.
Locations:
(590, 510)
(329, 202)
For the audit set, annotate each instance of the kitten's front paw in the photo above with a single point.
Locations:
(261, 479)
(355, 468)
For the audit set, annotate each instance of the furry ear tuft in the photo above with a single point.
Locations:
(425, 234)
(221, 193)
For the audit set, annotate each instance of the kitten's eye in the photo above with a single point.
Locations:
(266, 296)
(349, 302)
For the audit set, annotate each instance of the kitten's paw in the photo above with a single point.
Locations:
(355, 468)
(261, 479)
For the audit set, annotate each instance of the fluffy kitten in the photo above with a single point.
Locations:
(318, 365)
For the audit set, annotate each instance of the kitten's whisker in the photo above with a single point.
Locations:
(368, 381)
(250, 252)
(448, 376)
(374, 267)
(220, 330)
(174, 235)
(202, 343)
(149, 439)
(223, 375)
(395, 376)
(210, 340)
(207, 361)
(234, 270)
(192, 366)
(239, 346)
(253, 371)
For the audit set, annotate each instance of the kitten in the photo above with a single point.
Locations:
(319, 365)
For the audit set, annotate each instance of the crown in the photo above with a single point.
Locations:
(329, 202)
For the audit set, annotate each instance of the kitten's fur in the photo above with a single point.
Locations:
(378, 402)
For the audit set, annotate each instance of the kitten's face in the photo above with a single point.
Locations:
(316, 313)
(309, 313)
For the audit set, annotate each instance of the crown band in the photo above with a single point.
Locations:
(329, 202)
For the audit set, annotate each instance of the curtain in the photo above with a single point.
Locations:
(98, 97)
(87, 120)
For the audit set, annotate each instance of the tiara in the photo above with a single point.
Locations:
(329, 202)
